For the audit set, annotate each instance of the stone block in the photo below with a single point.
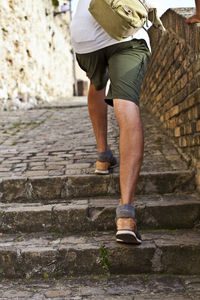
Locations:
(81, 255)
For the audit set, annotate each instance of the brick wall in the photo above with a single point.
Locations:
(171, 88)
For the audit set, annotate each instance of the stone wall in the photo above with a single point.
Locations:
(171, 88)
(35, 53)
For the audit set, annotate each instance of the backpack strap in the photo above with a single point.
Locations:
(145, 4)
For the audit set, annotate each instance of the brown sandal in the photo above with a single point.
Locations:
(126, 225)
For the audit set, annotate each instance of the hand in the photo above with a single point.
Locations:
(193, 19)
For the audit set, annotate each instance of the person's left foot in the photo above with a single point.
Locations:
(105, 162)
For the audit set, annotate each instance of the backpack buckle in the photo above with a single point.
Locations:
(127, 10)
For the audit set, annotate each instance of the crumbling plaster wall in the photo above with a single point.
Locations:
(35, 53)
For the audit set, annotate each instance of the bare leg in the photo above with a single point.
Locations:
(98, 114)
(131, 147)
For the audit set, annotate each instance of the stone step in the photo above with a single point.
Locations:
(171, 211)
(36, 189)
(126, 287)
(174, 252)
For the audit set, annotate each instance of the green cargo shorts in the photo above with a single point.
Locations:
(123, 63)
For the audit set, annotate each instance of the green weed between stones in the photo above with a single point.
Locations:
(17, 124)
(55, 2)
(23, 125)
(104, 260)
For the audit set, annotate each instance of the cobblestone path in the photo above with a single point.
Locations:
(56, 142)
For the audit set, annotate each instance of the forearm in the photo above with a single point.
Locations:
(197, 2)
(195, 18)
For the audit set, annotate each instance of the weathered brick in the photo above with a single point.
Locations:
(176, 52)
(174, 111)
(184, 80)
(159, 97)
(172, 123)
(198, 111)
(198, 125)
(190, 75)
(162, 119)
(177, 132)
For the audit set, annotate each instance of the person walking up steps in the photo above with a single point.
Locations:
(124, 63)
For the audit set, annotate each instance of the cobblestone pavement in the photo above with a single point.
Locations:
(104, 288)
(60, 141)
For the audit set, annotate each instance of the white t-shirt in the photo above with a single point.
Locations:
(88, 36)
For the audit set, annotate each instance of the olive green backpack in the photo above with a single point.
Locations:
(122, 18)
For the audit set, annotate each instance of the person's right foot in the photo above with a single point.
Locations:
(127, 231)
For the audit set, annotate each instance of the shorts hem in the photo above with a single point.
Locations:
(98, 87)
(109, 101)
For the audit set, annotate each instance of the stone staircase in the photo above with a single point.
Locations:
(52, 226)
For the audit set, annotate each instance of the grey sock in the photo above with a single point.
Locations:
(125, 211)
(105, 156)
